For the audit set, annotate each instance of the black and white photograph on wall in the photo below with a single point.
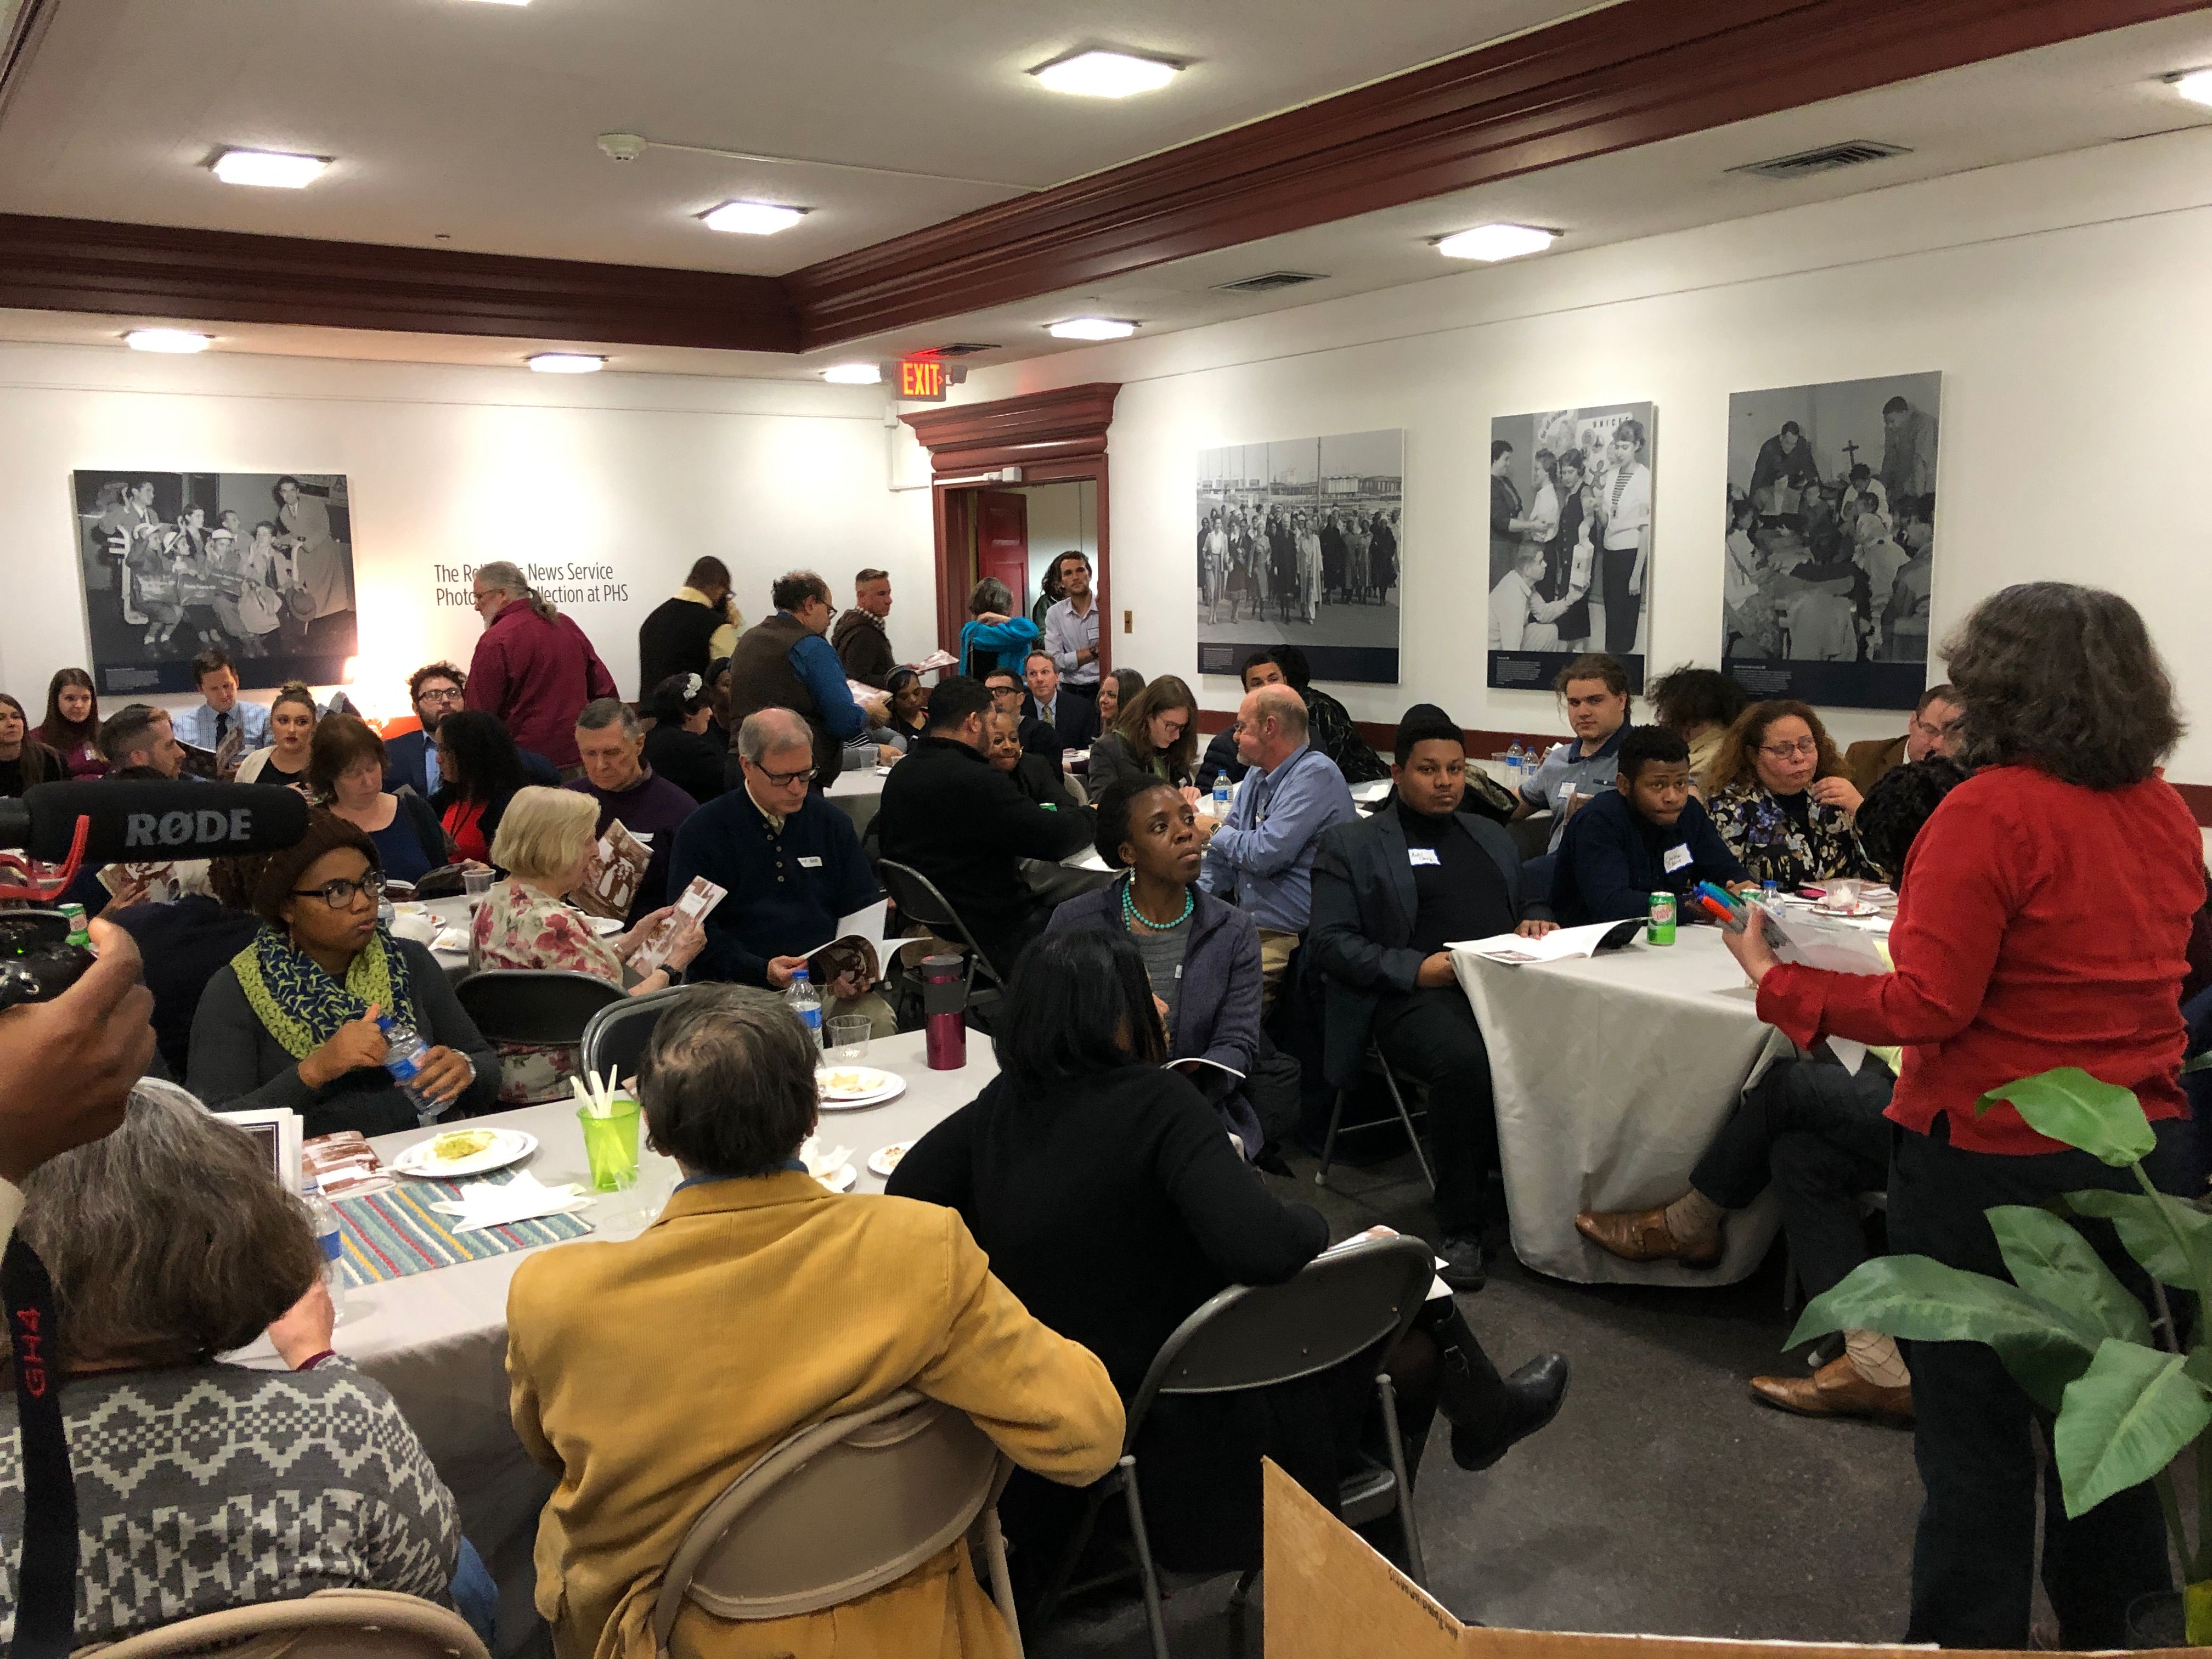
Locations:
(258, 564)
(1831, 541)
(1570, 541)
(1301, 542)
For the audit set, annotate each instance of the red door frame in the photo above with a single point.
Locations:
(1054, 437)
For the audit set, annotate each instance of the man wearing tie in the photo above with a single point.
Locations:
(1053, 717)
(220, 713)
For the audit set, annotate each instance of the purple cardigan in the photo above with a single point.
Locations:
(1218, 1008)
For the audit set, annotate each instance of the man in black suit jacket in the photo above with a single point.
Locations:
(1053, 718)
(435, 691)
(951, 815)
(1389, 892)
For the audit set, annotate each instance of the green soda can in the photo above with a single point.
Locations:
(1659, 928)
(78, 934)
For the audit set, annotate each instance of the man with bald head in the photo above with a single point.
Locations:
(789, 860)
(1261, 857)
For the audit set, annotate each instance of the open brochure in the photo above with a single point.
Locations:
(1564, 945)
(934, 661)
(1840, 946)
(698, 900)
(614, 874)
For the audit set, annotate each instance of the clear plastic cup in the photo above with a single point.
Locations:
(844, 1039)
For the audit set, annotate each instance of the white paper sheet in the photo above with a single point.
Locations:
(1562, 945)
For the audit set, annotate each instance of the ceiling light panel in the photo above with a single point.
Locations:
(1091, 328)
(1494, 242)
(177, 341)
(2196, 86)
(270, 169)
(1106, 73)
(854, 375)
(753, 218)
(567, 363)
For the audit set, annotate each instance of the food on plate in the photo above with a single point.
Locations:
(884, 1159)
(847, 1083)
(460, 1144)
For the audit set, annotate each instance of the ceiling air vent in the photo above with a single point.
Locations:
(1268, 282)
(961, 349)
(1827, 159)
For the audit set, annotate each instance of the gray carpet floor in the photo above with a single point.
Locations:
(1664, 1498)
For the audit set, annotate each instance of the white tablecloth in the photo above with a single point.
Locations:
(438, 1339)
(860, 792)
(1611, 1075)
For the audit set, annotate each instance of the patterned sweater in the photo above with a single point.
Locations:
(203, 1487)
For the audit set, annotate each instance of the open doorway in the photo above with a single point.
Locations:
(1018, 534)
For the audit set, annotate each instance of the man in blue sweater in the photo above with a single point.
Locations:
(1646, 835)
(790, 861)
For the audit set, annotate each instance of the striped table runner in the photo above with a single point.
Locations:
(392, 1234)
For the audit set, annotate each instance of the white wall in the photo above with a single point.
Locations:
(2062, 298)
(459, 465)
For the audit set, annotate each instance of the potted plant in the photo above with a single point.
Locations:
(2128, 1400)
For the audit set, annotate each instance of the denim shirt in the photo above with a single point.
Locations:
(1262, 858)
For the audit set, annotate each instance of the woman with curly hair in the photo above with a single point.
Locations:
(1780, 796)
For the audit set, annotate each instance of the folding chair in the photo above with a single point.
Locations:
(836, 1511)
(534, 1004)
(1343, 1304)
(329, 1624)
(919, 900)
(1373, 1058)
(616, 1038)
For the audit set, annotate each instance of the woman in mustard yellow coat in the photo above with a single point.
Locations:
(648, 1374)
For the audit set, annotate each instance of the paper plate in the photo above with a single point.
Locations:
(507, 1147)
(605, 926)
(844, 1177)
(884, 1159)
(844, 1088)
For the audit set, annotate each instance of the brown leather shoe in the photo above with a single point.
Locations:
(1836, 1389)
(1642, 1235)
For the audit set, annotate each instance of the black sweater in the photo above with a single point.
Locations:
(1113, 1207)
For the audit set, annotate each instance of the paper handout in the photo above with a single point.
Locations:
(616, 872)
(698, 900)
(1564, 945)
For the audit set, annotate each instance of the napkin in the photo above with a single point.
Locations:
(419, 926)
(820, 1164)
(486, 1204)
(452, 938)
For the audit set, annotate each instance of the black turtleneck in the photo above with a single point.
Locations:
(1462, 895)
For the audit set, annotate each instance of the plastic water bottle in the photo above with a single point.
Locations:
(804, 1000)
(323, 1216)
(405, 1051)
(1221, 794)
(1769, 894)
(1517, 765)
(384, 912)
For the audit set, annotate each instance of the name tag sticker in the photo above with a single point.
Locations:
(805, 863)
(1675, 858)
(1423, 855)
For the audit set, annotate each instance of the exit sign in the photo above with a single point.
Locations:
(922, 379)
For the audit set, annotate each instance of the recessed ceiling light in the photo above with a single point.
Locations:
(1497, 242)
(178, 341)
(754, 218)
(1091, 328)
(1107, 74)
(269, 168)
(509, 2)
(567, 363)
(854, 375)
(2196, 86)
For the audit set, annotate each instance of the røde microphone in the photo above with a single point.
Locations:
(145, 823)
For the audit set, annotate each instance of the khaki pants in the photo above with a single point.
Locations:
(1275, 949)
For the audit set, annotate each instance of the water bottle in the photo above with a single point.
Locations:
(803, 1001)
(384, 912)
(1221, 794)
(323, 1216)
(405, 1051)
(1517, 765)
(1770, 894)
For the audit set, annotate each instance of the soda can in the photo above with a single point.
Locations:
(1659, 928)
(78, 932)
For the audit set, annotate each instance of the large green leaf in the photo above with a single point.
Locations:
(2150, 1239)
(2123, 1420)
(2068, 1104)
(2053, 1263)
(1927, 1301)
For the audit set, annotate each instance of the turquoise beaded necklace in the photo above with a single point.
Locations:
(1131, 916)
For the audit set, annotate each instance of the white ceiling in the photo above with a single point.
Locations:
(478, 122)
(2070, 96)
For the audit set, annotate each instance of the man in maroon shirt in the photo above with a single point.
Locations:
(533, 667)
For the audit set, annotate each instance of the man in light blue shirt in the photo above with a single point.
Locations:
(1071, 627)
(1261, 857)
(210, 725)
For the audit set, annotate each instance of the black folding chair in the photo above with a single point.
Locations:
(614, 1042)
(1363, 1296)
(545, 1005)
(1373, 1059)
(919, 900)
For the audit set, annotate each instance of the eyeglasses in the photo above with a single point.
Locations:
(1784, 750)
(338, 895)
(781, 780)
(450, 694)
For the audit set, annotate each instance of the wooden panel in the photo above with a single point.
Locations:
(1630, 73)
(1061, 425)
(85, 265)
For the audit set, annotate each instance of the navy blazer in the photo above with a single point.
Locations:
(404, 763)
(1363, 908)
(1075, 725)
(1613, 859)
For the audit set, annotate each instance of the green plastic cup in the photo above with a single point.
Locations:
(610, 1145)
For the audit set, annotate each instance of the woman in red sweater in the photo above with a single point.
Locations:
(2044, 923)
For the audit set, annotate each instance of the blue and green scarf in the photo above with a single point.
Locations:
(302, 1006)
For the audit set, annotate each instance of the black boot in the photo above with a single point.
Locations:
(1488, 1413)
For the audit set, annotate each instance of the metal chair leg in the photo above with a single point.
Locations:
(1002, 1586)
(1047, 1601)
(1329, 1145)
(1417, 1570)
(1411, 1134)
(1154, 1616)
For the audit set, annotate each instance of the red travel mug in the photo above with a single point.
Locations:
(944, 1008)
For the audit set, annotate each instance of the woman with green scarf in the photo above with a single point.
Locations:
(291, 1020)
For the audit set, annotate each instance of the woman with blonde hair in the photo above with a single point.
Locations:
(545, 841)
(1154, 735)
(292, 717)
(1781, 797)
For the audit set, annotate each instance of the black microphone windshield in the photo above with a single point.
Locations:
(147, 823)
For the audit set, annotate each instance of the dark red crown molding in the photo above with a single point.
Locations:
(85, 265)
(1632, 74)
(1066, 424)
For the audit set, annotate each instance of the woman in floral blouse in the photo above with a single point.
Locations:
(1778, 793)
(545, 842)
